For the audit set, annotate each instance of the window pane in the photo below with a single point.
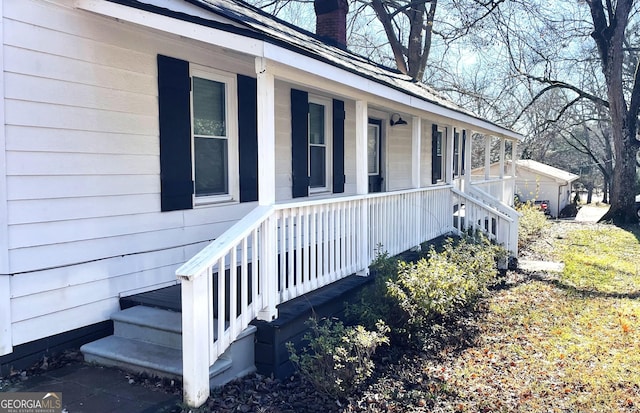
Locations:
(208, 107)
(316, 123)
(373, 147)
(211, 166)
(317, 159)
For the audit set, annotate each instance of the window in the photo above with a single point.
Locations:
(319, 144)
(373, 149)
(214, 137)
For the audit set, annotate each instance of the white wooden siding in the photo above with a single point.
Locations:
(6, 334)
(350, 147)
(399, 157)
(82, 166)
(283, 141)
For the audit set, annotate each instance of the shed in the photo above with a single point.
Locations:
(536, 180)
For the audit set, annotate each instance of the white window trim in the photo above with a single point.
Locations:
(328, 128)
(378, 149)
(231, 124)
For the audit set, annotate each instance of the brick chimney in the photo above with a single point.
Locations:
(331, 21)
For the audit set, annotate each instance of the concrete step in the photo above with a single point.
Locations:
(149, 340)
(151, 325)
(142, 357)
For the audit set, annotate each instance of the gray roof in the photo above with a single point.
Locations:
(246, 20)
(547, 170)
(283, 33)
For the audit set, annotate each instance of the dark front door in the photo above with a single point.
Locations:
(374, 155)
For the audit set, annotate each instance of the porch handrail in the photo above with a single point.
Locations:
(480, 204)
(210, 254)
(281, 251)
(507, 218)
(489, 199)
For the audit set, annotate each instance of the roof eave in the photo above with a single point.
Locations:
(255, 44)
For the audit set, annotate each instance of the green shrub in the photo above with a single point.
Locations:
(373, 303)
(435, 290)
(532, 223)
(418, 300)
(337, 359)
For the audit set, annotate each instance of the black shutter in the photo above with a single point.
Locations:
(338, 146)
(174, 101)
(248, 137)
(299, 143)
(436, 161)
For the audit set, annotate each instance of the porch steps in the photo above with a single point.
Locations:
(149, 340)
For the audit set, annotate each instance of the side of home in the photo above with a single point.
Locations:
(136, 133)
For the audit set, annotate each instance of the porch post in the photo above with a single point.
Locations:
(502, 152)
(467, 160)
(266, 134)
(362, 171)
(502, 182)
(195, 339)
(267, 188)
(448, 171)
(362, 186)
(487, 156)
(514, 147)
(416, 136)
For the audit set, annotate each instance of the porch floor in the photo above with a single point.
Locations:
(168, 298)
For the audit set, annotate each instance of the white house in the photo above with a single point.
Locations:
(147, 143)
(538, 181)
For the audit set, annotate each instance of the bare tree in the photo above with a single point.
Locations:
(568, 42)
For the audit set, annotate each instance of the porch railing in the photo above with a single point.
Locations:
(279, 252)
(499, 188)
(471, 214)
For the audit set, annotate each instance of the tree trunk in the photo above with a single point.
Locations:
(609, 29)
(622, 194)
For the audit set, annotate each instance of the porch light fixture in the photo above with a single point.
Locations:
(396, 119)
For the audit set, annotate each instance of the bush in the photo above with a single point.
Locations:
(532, 223)
(434, 291)
(418, 300)
(337, 359)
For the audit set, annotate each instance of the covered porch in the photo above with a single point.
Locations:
(282, 251)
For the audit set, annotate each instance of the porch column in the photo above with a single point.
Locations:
(448, 170)
(266, 134)
(195, 339)
(467, 160)
(6, 341)
(502, 151)
(503, 184)
(416, 137)
(514, 150)
(362, 186)
(362, 170)
(487, 156)
(267, 189)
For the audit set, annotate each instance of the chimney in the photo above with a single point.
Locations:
(331, 21)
